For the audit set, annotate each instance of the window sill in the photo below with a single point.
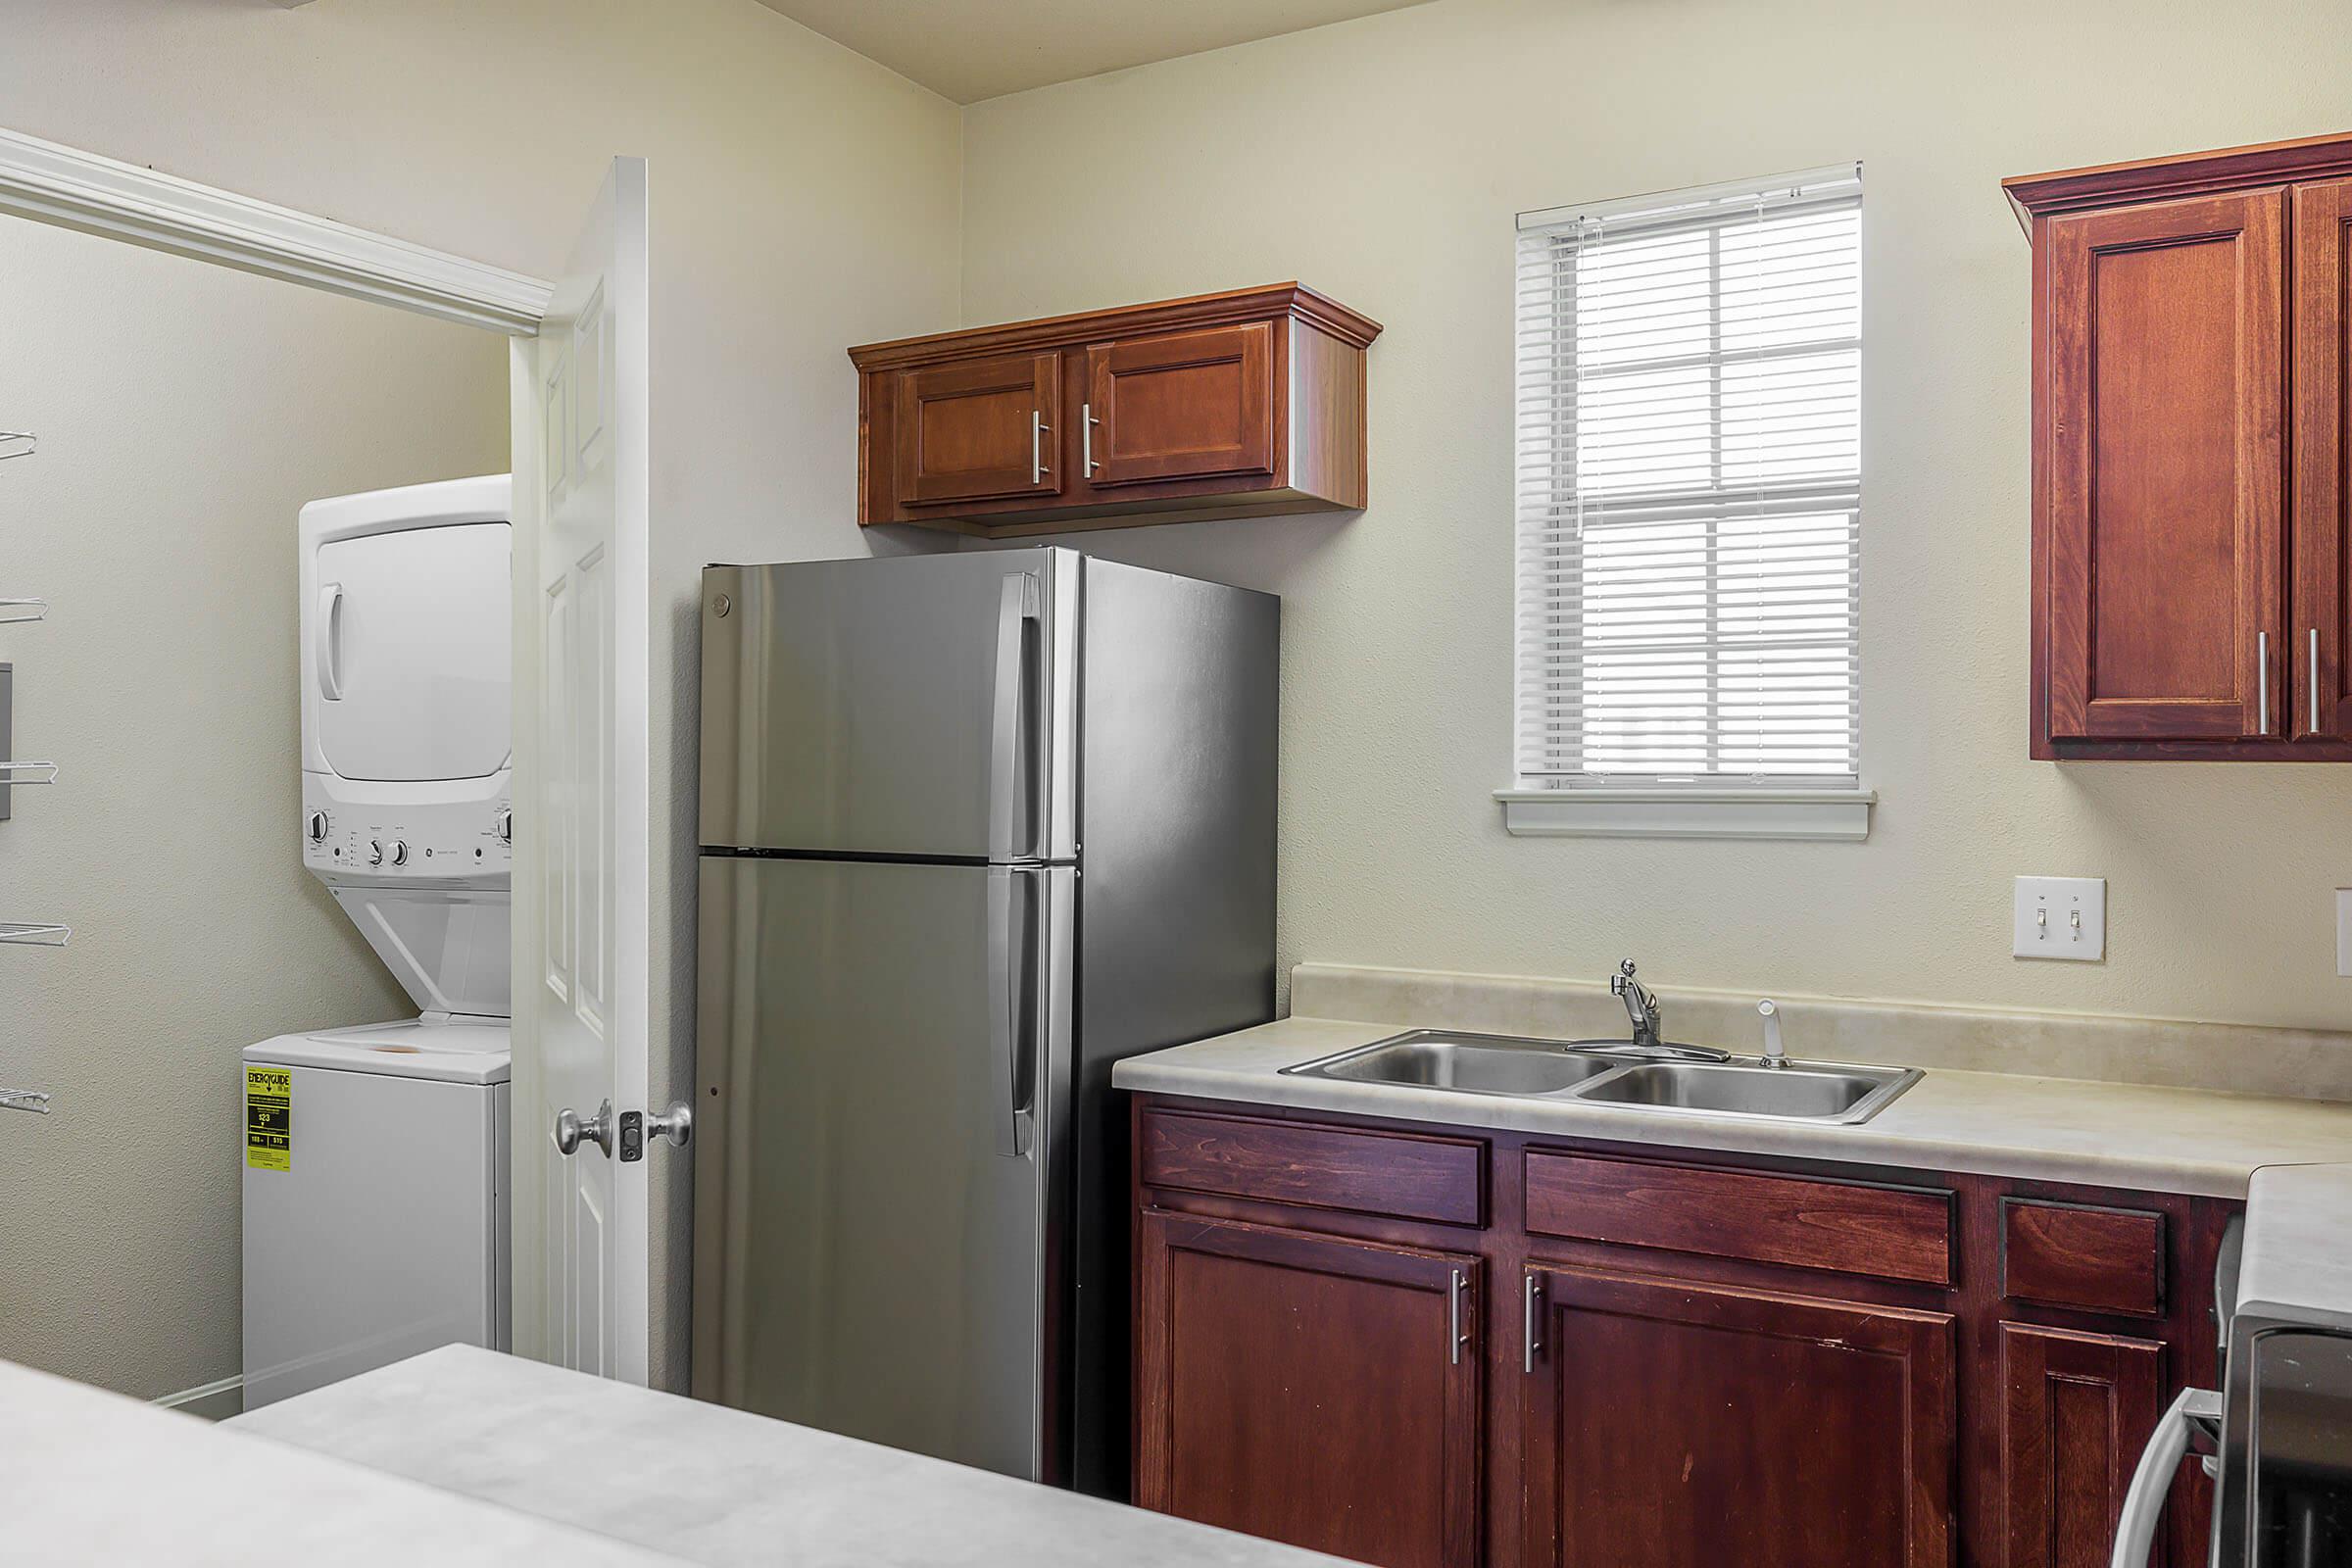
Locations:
(1699, 812)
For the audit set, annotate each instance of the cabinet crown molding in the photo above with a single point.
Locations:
(1128, 320)
(2068, 190)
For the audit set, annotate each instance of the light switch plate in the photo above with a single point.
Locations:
(2343, 932)
(2061, 917)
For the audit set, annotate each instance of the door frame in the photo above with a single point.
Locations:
(49, 182)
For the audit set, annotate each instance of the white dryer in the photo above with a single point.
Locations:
(376, 1157)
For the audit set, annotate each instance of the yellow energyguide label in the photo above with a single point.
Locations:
(269, 1118)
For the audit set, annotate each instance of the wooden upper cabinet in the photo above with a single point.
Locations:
(1243, 403)
(1179, 405)
(2190, 571)
(2167, 469)
(2320, 635)
(979, 429)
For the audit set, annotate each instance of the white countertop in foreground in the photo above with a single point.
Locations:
(1997, 1124)
(92, 1477)
(716, 1485)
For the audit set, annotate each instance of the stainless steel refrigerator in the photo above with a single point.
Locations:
(974, 826)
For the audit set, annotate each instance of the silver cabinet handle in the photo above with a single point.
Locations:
(1086, 428)
(2262, 683)
(572, 1132)
(675, 1124)
(1454, 1317)
(1039, 429)
(2314, 680)
(1531, 1341)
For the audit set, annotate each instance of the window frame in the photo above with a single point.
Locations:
(1677, 803)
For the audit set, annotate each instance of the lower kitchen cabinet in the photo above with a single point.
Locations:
(1407, 1344)
(2076, 1409)
(1670, 1424)
(1311, 1390)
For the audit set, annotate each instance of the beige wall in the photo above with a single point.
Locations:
(803, 197)
(186, 414)
(1382, 161)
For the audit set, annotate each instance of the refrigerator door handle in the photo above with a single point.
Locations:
(1016, 613)
(1016, 1120)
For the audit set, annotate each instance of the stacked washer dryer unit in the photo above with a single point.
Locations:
(376, 1221)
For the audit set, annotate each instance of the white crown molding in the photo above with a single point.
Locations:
(55, 184)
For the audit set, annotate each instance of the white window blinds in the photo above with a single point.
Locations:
(1690, 486)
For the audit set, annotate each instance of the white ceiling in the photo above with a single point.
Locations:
(968, 50)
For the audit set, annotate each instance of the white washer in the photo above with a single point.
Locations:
(385, 1236)
(377, 1228)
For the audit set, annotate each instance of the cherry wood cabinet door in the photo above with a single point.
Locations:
(1183, 405)
(2320, 638)
(979, 429)
(1671, 1424)
(2167, 473)
(2076, 1411)
(1308, 1389)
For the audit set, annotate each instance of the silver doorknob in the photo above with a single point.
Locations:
(675, 1124)
(572, 1131)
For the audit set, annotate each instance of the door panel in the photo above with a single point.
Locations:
(906, 706)
(1668, 1424)
(2319, 639)
(1310, 1390)
(2075, 1411)
(582, 1243)
(869, 1218)
(1182, 405)
(979, 429)
(2167, 471)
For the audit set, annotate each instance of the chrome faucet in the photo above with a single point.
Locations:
(1641, 1005)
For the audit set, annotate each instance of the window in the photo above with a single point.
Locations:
(1689, 466)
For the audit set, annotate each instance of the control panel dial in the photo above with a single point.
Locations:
(316, 828)
(376, 852)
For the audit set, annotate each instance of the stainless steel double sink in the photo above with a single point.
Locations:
(1618, 1072)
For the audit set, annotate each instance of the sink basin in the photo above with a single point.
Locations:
(1802, 1091)
(1473, 1065)
(1600, 1072)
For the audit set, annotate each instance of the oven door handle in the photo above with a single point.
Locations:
(2152, 1482)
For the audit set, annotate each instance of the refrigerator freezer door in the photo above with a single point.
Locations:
(872, 1219)
(914, 707)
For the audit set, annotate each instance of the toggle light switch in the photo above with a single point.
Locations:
(2061, 917)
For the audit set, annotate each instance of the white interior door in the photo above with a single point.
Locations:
(582, 651)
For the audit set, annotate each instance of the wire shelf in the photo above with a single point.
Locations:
(19, 610)
(17, 444)
(34, 934)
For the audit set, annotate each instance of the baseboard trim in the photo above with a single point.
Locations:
(216, 1400)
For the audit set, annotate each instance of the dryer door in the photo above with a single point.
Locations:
(413, 662)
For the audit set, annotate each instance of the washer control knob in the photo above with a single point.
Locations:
(400, 851)
(376, 852)
(503, 824)
(316, 828)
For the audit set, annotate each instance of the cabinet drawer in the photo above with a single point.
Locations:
(2071, 1254)
(1897, 1233)
(1403, 1175)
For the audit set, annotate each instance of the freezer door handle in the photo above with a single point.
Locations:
(1013, 1110)
(1016, 613)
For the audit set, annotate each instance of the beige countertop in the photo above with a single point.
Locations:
(2192, 1141)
